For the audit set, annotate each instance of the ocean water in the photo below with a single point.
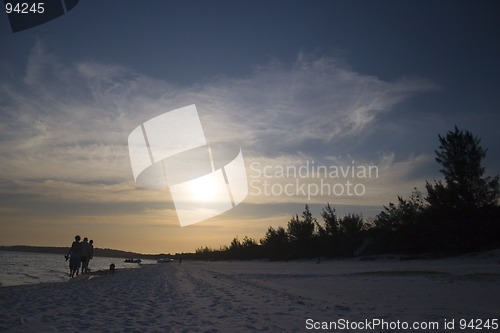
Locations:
(20, 268)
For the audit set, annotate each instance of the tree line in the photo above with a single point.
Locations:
(459, 214)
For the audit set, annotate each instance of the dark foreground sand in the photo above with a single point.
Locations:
(262, 296)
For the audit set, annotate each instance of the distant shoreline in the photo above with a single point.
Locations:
(98, 252)
(112, 253)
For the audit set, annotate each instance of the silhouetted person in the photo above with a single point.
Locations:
(91, 253)
(75, 256)
(85, 254)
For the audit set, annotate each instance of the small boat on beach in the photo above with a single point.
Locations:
(164, 260)
(133, 261)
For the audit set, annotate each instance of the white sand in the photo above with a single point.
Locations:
(258, 296)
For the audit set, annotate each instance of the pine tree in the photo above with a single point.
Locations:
(466, 188)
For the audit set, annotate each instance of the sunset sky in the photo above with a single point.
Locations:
(296, 84)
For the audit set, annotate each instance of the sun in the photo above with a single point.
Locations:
(204, 189)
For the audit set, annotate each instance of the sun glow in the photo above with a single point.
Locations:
(204, 189)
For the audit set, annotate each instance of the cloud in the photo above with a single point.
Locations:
(65, 125)
(278, 108)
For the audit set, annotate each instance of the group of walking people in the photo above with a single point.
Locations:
(79, 255)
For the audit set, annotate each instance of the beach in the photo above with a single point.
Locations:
(256, 296)
(19, 268)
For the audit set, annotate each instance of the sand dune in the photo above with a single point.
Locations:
(258, 296)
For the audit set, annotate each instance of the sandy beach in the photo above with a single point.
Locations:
(261, 296)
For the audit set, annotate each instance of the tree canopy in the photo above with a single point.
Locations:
(459, 214)
(466, 188)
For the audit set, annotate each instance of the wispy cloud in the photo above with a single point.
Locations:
(65, 125)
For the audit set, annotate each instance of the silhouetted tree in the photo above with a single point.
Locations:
(331, 222)
(467, 196)
(235, 244)
(351, 229)
(404, 213)
(301, 234)
(275, 243)
(460, 214)
(250, 248)
(399, 227)
(328, 235)
(466, 188)
(300, 230)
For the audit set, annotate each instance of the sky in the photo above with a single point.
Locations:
(297, 85)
